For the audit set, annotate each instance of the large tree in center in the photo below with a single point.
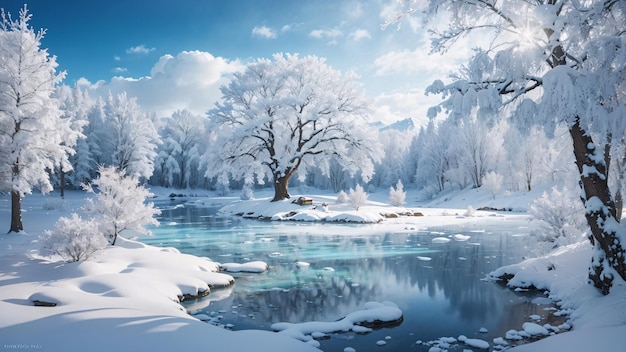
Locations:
(547, 62)
(283, 115)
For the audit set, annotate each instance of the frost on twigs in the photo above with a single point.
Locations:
(73, 239)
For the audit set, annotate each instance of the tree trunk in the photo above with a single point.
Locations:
(16, 212)
(62, 181)
(281, 184)
(600, 211)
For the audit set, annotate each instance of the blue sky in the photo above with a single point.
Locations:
(121, 45)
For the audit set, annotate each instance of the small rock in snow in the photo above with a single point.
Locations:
(349, 349)
(387, 337)
(535, 329)
(500, 341)
(483, 330)
(478, 343)
(535, 317)
(381, 342)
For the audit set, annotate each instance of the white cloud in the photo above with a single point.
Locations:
(191, 80)
(264, 32)
(359, 34)
(117, 58)
(140, 49)
(120, 69)
(325, 33)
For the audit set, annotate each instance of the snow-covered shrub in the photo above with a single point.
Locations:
(492, 181)
(358, 197)
(397, 196)
(246, 193)
(342, 198)
(119, 204)
(561, 217)
(74, 239)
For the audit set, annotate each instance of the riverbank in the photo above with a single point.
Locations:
(89, 299)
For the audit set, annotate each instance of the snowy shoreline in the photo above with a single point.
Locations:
(134, 296)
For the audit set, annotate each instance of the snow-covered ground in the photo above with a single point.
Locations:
(125, 297)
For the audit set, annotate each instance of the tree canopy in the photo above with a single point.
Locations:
(290, 113)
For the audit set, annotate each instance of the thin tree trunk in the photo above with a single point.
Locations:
(16, 212)
(600, 211)
(62, 181)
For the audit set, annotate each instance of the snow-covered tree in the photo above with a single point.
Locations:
(130, 136)
(358, 197)
(75, 104)
(34, 137)
(546, 62)
(119, 204)
(74, 239)
(492, 181)
(397, 196)
(342, 198)
(290, 113)
(179, 155)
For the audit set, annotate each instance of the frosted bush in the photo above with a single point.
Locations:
(342, 198)
(358, 197)
(492, 181)
(397, 196)
(73, 239)
(246, 193)
(561, 217)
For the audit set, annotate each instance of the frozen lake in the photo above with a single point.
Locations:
(437, 284)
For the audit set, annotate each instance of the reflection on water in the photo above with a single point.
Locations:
(437, 285)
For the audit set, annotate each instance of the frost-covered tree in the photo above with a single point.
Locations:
(179, 154)
(75, 104)
(119, 204)
(130, 136)
(287, 114)
(546, 62)
(34, 137)
(492, 181)
(358, 197)
(342, 198)
(397, 196)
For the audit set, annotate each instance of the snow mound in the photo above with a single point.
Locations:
(374, 314)
(249, 267)
(440, 240)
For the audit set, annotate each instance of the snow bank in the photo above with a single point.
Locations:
(360, 321)
(125, 298)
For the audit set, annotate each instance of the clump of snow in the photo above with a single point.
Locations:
(249, 267)
(440, 240)
(534, 329)
(459, 237)
(374, 313)
(477, 343)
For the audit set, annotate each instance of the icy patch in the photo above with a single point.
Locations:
(302, 265)
(440, 240)
(425, 259)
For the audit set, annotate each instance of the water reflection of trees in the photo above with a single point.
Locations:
(371, 272)
(367, 267)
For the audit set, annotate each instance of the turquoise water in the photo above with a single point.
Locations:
(438, 286)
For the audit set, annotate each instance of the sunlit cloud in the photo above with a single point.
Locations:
(264, 32)
(140, 49)
(360, 34)
(190, 80)
(325, 33)
(120, 69)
